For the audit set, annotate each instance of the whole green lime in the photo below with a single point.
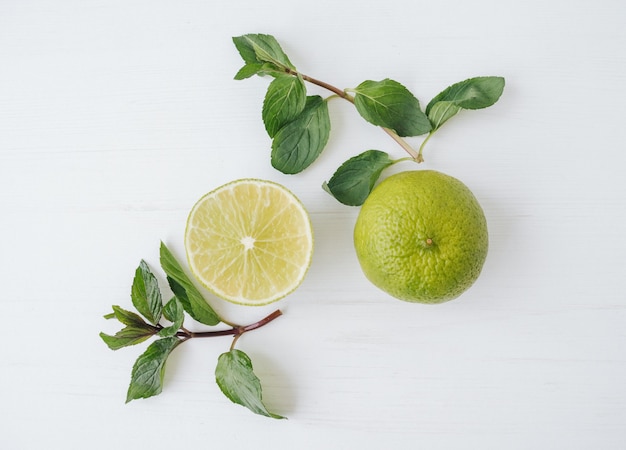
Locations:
(421, 236)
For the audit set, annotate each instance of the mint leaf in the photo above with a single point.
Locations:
(146, 295)
(473, 93)
(127, 336)
(257, 49)
(136, 330)
(284, 101)
(260, 69)
(192, 300)
(440, 112)
(236, 379)
(300, 142)
(354, 179)
(248, 70)
(389, 104)
(147, 375)
(127, 317)
(174, 312)
(195, 308)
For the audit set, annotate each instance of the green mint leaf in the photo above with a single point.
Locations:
(236, 379)
(300, 142)
(248, 70)
(473, 93)
(262, 48)
(354, 179)
(174, 312)
(127, 336)
(389, 104)
(440, 112)
(136, 330)
(192, 300)
(260, 69)
(284, 101)
(147, 375)
(146, 295)
(195, 309)
(110, 316)
(128, 317)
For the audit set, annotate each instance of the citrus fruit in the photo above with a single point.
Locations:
(421, 236)
(249, 241)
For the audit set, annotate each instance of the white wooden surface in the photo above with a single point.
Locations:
(116, 116)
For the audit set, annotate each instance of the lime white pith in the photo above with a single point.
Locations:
(421, 236)
(249, 242)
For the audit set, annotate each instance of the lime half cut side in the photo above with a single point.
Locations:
(249, 242)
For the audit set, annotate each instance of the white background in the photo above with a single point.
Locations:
(116, 116)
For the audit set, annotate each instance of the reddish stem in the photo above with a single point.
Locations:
(235, 331)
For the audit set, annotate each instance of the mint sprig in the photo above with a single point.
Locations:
(301, 132)
(234, 374)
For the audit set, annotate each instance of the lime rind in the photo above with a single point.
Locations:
(421, 236)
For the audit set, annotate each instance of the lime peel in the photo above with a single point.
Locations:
(421, 236)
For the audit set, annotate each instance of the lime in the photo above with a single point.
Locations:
(249, 242)
(421, 236)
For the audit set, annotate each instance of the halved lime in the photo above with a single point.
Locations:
(249, 241)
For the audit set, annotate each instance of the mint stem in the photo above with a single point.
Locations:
(420, 158)
(404, 144)
(235, 331)
(330, 87)
(343, 94)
